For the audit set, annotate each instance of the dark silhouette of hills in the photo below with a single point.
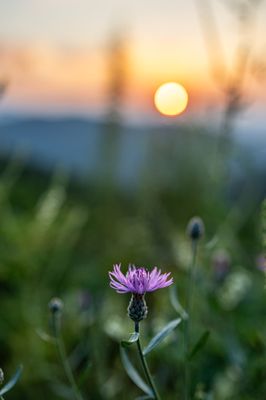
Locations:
(76, 144)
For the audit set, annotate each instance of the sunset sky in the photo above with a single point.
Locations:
(54, 53)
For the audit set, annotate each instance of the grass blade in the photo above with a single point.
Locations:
(11, 383)
(133, 374)
(176, 304)
(157, 339)
(199, 345)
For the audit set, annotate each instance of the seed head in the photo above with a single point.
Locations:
(195, 228)
(56, 305)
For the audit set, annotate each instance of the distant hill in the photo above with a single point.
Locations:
(81, 145)
(71, 143)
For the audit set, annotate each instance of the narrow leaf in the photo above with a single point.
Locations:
(133, 374)
(11, 383)
(176, 304)
(45, 336)
(63, 391)
(161, 335)
(133, 338)
(144, 397)
(212, 243)
(199, 344)
(85, 373)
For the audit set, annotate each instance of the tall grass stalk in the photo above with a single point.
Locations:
(56, 323)
(188, 321)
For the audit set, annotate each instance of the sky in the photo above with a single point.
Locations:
(55, 54)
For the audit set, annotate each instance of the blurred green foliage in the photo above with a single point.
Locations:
(59, 237)
(264, 226)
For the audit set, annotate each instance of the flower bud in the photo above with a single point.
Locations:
(137, 309)
(195, 228)
(261, 262)
(221, 263)
(56, 305)
(2, 377)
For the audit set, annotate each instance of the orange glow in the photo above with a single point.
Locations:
(59, 77)
(171, 99)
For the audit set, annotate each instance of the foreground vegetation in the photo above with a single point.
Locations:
(61, 236)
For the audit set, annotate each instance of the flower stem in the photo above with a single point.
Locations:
(63, 356)
(187, 322)
(145, 366)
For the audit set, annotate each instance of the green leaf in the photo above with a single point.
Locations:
(212, 243)
(133, 339)
(161, 335)
(62, 390)
(11, 383)
(144, 397)
(199, 345)
(133, 374)
(176, 304)
(84, 374)
(45, 336)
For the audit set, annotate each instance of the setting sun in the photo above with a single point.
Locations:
(171, 99)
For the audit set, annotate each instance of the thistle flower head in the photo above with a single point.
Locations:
(138, 280)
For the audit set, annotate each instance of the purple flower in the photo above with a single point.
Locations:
(261, 263)
(138, 280)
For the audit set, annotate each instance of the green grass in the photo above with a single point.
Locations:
(59, 237)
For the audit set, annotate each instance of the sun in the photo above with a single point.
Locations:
(171, 99)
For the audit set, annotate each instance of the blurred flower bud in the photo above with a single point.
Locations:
(221, 263)
(235, 288)
(84, 300)
(195, 228)
(56, 305)
(200, 392)
(2, 377)
(261, 263)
